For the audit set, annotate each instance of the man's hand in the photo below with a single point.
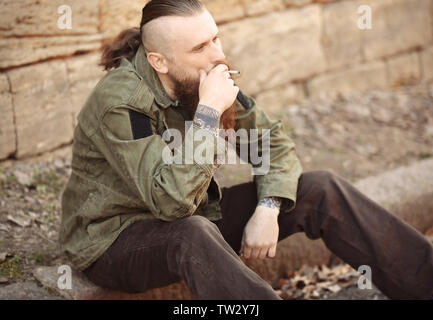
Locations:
(261, 234)
(217, 90)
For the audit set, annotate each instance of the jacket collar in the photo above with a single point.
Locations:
(149, 74)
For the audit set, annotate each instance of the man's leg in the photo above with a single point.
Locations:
(352, 226)
(154, 253)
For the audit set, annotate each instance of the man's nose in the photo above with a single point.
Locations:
(218, 53)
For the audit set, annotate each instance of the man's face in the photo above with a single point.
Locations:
(195, 45)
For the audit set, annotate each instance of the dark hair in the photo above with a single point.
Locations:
(126, 44)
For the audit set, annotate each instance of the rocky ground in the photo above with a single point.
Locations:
(356, 136)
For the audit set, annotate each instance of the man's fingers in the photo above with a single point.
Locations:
(255, 252)
(221, 68)
(241, 251)
(263, 253)
(272, 251)
(247, 252)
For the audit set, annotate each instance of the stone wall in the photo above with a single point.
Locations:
(287, 50)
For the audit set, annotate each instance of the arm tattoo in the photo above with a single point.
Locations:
(207, 118)
(271, 202)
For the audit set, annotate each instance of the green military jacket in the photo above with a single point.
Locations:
(118, 176)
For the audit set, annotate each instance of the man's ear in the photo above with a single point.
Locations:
(158, 62)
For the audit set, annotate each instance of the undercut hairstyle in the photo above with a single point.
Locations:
(126, 44)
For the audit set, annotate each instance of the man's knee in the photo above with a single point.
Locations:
(321, 176)
(320, 179)
(197, 227)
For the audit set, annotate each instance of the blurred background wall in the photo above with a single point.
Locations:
(287, 50)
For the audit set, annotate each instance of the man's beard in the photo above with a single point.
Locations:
(187, 92)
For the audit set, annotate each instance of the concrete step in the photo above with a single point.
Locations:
(83, 289)
(407, 192)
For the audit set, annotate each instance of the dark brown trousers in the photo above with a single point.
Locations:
(153, 253)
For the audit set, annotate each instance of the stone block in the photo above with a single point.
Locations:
(7, 126)
(427, 64)
(83, 289)
(397, 26)
(42, 107)
(403, 69)
(255, 7)
(84, 67)
(358, 78)
(274, 100)
(274, 49)
(341, 37)
(115, 16)
(20, 51)
(225, 10)
(296, 3)
(4, 83)
(39, 18)
(406, 191)
(83, 74)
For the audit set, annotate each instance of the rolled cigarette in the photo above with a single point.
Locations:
(234, 72)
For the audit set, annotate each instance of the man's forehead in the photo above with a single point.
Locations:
(190, 31)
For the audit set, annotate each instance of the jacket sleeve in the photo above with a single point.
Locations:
(169, 191)
(280, 168)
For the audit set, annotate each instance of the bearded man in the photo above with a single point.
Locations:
(132, 221)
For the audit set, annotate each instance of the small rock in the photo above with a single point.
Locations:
(33, 215)
(4, 227)
(26, 291)
(20, 219)
(323, 109)
(4, 280)
(3, 256)
(366, 149)
(338, 127)
(58, 163)
(428, 131)
(29, 199)
(403, 101)
(279, 292)
(382, 115)
(293, 109)
(23, 178)
(356, 111)
(334, 289)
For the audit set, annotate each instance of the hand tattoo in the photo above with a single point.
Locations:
(207, 118)
(271, 202)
